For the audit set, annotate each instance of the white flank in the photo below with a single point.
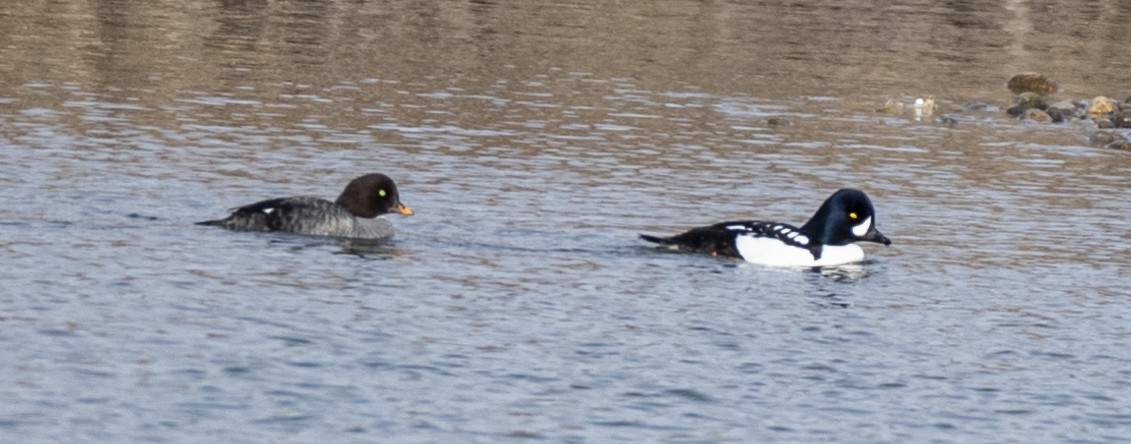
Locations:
(772, 252)
(862, 229)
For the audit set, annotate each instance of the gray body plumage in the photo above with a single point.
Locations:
(305, 215)
(358, 213)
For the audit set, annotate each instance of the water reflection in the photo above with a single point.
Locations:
(536, 140)
(752, 47)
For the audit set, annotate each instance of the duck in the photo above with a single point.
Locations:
(827, 239)
(357, 213)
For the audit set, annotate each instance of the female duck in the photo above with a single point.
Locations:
(358, 212)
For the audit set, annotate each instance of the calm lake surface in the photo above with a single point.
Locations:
(535, 140)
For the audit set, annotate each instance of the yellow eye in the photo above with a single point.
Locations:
(382, 194)
(850, 215)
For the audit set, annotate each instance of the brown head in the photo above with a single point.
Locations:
(372, 195)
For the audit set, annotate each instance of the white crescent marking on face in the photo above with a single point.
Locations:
(862, 229)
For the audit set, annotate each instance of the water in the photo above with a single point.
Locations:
(534, 142)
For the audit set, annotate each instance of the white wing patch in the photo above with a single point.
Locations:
(862, 229)
(268, 210)
(792, 235)
(781, 232)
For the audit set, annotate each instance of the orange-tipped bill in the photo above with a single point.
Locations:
(400, 208)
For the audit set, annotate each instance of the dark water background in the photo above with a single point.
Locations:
(535, 140)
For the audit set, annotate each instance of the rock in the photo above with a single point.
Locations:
(1100, 106)
(1066, 108)
(926, 105)
(892, 106)
(1056, 115)
(1120, 145)
(778, 122)
(1122, 119)
(1110, 140)
(924, 108)
(1036, 115)
(1103, 138)
(1016, 111)
(1031, 99)
(1031, 82)
(946, 120)
(979, 106)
